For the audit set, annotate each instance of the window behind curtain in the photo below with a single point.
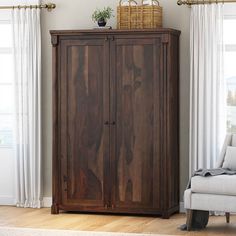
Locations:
(6, 85)
(230, 70)
(7, 170)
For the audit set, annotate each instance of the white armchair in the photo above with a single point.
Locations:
(214, 193)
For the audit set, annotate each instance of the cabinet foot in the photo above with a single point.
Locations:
(166, 215)
(54, 209)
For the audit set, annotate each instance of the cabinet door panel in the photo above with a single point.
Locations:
(135, 107)
(84, 137)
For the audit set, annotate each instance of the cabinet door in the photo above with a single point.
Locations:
(84, 137)
(136, 133)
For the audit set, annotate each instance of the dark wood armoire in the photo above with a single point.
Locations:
(116, 121)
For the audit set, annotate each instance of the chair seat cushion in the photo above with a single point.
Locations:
(221, 184)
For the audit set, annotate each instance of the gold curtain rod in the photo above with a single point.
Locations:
(48, 6)
(197, 2)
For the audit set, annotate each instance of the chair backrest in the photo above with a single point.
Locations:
(230, 140)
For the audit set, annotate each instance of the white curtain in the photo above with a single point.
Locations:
(207, 91)
(27, 60)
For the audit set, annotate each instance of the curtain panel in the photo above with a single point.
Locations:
(207, 91)
(27, 61)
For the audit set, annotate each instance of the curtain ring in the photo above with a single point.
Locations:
(19, 7)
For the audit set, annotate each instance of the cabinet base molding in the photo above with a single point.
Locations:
(55, 209)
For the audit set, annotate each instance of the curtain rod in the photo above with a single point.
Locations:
(48, 6)
(197, 2)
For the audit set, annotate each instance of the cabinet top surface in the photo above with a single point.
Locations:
(115, 31)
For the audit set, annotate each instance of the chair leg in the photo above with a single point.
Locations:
(227, 214)
(189, 219)
(196, 219)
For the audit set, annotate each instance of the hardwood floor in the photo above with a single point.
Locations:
(41, 218)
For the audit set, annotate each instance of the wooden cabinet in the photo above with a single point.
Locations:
(115, 122)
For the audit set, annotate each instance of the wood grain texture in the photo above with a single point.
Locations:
(171, 123)
(116, 121)
(139, 32)
(135, 64)
(41, 218)
(55, 100)
(84, 138)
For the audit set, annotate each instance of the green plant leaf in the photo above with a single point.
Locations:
(104, 14)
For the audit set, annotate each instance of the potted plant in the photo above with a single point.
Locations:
(101, 16)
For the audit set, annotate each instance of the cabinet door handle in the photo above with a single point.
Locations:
(106, 123)
(106, 39)
(113, 123)
(65, 178)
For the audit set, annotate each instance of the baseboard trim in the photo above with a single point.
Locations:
(181, 207)
(7, 200)
(47, 202)
(10, 201)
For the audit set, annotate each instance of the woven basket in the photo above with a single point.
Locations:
(139, 17)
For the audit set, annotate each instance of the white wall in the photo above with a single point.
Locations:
(71, 14)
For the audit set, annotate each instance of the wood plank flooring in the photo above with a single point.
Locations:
(41, 218)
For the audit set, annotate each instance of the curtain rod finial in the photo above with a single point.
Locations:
(51, 6)
(179, 2)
